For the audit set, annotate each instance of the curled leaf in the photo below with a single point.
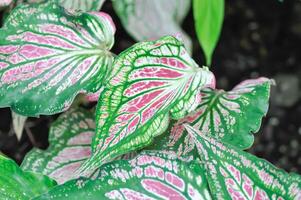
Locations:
(18, 185)
(52, 54)
(150, 82)
(150, 175)
(232, 117)
(235, 174)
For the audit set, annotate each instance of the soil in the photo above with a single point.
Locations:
(259, 38)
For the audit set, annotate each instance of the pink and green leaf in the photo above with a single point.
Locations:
(149, 19)
(16, 184)
(232, 117)
(235, 174)
(52, 54)
(70, 139)
(150, 175)
(151, 82)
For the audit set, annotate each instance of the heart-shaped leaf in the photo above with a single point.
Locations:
(149, 19)
(70, 139)
(150, 82)
(208, 20)
(230, 116)
(54, 55)
(235, 174)
(16, 184)
(151, 175)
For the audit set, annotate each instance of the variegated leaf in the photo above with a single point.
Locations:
(150, 82)
(70, 139)
(235, 174)
(231, 116)
(149, 19)
(151, 175)
(18, 185)
(18, 124)
(51, 56)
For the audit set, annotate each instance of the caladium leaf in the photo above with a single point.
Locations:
(149, 19)
(150, 82)
(208, 20)
(235, 174)
(70, 139)
(52, 54)
(18, 124)
(151, 175)
(231, 116)
(18, 185)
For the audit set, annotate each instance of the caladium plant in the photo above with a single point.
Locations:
(151, 82)
(160, 130)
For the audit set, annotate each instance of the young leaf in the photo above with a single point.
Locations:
(150, 82)
(208, 20)
(151, 175)
(18, 124)
(16, 184)
(150, 19)
(231, 116)
(70, 140)
(54, 55)
(83, 5)
(235, 174)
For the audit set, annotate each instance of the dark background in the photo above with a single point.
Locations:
(259, 38)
